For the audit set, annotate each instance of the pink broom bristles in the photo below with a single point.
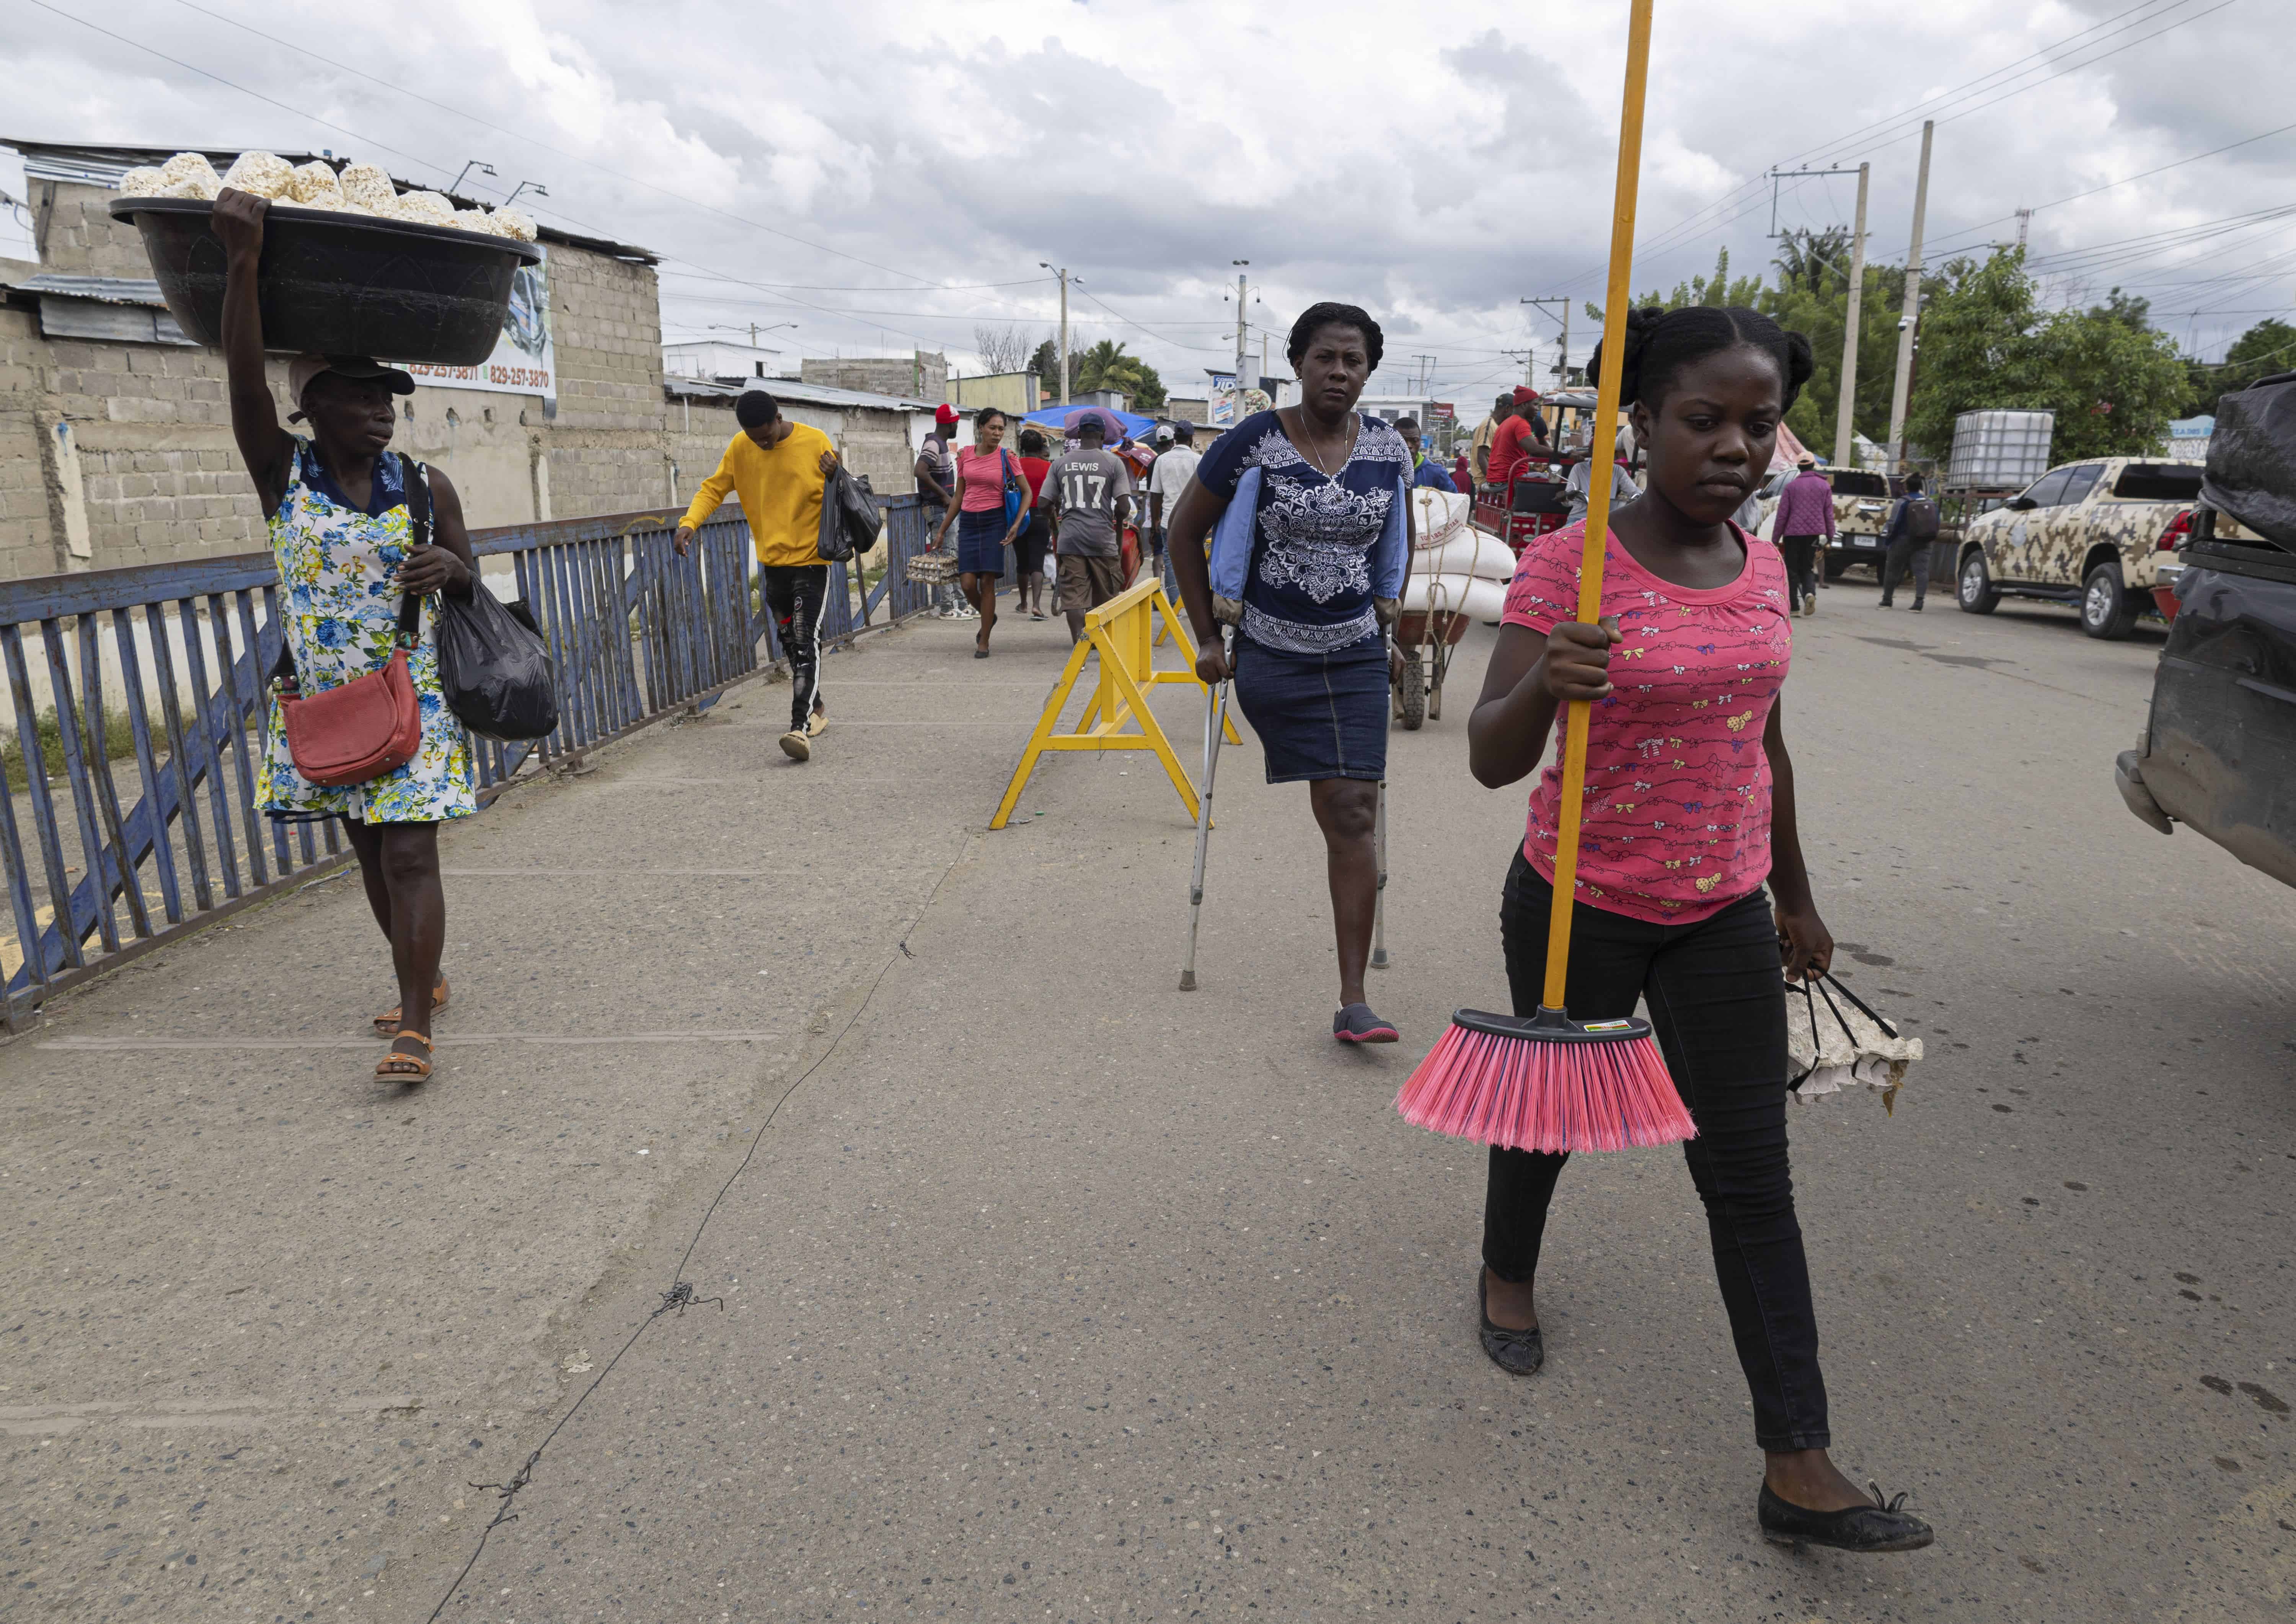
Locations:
(1533, 1096)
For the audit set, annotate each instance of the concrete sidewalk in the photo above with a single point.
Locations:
(1053, 1292)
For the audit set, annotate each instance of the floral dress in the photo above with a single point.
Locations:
(339, 606)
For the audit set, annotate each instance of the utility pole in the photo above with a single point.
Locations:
(1241, 288)
(1562, 363)
(1903, 384)
(2024, 221)
(1062, 272)
(1426, 370)
(1842, 427)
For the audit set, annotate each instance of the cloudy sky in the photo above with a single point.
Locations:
(888, 176)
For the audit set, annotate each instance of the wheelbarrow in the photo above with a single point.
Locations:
(1425, 638)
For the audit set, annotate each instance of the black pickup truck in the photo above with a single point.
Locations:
(2218, 750)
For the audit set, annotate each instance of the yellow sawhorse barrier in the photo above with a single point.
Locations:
(1124, 633)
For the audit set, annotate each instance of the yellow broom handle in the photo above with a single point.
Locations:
(1598, 494)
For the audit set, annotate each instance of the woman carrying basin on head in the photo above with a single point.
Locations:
(337, 508)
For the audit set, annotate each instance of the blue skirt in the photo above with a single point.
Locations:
(1318, 716)
(981, 542)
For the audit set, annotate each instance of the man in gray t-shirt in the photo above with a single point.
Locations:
(1089, 492)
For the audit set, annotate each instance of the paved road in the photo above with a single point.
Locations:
(1047, 1292)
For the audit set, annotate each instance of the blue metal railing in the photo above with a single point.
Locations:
(180, 654)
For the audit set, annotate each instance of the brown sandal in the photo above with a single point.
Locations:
(399, 1063)
(386, 1024)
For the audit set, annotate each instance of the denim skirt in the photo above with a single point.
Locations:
(981, 542)
(1318, 716)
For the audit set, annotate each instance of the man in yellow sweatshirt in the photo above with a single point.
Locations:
(780, 468)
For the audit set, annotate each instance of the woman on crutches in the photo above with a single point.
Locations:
(1314, 498)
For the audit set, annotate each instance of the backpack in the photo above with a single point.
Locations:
(1921, 519)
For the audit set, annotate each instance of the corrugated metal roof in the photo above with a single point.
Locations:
(104, 290)
(792, 388)
(102, 166)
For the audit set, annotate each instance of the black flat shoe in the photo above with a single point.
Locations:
(1882, 1526)
(1356, 1024)
(1519, 1353)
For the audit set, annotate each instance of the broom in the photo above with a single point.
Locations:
(1546, 1082)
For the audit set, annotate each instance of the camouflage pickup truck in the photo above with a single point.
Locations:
(2089, 534)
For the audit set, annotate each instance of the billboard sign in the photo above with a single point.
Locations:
(525, 361)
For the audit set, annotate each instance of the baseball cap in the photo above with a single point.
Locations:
(1163, 430)
(303, 370)
(946, 415)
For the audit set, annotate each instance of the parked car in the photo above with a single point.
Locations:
(1861, 508)
(2219, 749)
(2092, 534)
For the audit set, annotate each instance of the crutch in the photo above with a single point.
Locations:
(1379, 897)
(1214, 725)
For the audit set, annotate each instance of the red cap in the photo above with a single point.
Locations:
(946, 415)
(1525, 394)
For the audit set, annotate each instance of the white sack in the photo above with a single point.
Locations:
(1483, 600)
(1471, 552)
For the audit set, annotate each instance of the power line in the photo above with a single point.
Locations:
(1933, 115)
(1668, 240)
(1661, 240)
(2140, 175)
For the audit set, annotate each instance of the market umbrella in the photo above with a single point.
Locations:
(1116, 424)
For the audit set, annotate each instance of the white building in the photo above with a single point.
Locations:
(717, 361)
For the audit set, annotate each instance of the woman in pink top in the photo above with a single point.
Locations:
(1689, 809)
(991, 502)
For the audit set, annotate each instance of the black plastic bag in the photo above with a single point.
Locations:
(494, 668)
(849, 519)
(2251, 472)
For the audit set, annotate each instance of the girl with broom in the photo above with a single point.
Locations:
(1688, 809)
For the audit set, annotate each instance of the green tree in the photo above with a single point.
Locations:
(1812, 298)
(2268, 348)
(1046, 364)
(2112, 379)
(1979, 349)
(2114, 384)
(1107, 365)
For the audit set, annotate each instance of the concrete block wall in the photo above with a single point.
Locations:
(29, 545)
(924, 376)
(606, 444)
(81, 238)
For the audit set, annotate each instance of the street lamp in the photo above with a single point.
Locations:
(483, 168)
(537, 187)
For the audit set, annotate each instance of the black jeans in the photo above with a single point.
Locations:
(1904, 551)
(793, 597)
(1717, 1005)
(1801, 566)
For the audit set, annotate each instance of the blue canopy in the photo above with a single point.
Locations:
(1059, 418)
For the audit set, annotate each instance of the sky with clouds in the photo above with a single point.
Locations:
(890, 176)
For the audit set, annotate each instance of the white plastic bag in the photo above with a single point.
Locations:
(1834, 1042)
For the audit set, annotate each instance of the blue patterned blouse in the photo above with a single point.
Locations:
(1309, 590)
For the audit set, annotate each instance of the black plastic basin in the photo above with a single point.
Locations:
(338, 284)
